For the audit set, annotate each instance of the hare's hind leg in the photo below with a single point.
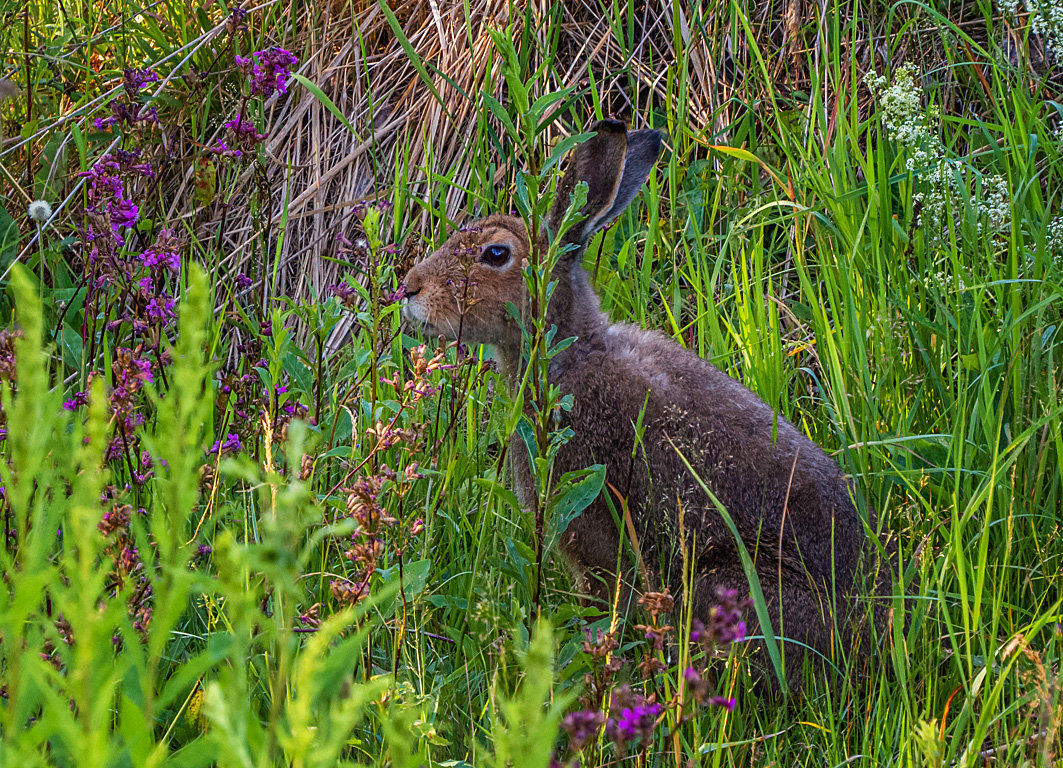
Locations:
(802, 622)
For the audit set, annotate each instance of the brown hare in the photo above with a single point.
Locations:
(789, 501)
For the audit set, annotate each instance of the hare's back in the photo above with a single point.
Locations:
(757, 463)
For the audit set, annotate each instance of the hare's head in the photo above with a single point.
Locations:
(463, 288)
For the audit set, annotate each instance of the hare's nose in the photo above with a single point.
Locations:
(413, 282)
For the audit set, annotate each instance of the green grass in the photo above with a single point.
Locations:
(781, 240)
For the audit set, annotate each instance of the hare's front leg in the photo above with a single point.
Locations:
(590, 546)
(593, 550)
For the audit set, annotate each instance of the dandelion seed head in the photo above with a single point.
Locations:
(39, 211)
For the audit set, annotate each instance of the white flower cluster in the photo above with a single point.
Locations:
(902, 108)
(1046, 20)
(1054, 240)
(945, 282)
(946, 179)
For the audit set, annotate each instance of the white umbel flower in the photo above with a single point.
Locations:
(1046, 20)
(40, 211)
(948, 182)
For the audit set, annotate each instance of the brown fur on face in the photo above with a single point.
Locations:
(789, 501)
(453, 292)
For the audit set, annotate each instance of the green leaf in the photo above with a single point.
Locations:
(501, 115)
(8, 239)
(408, 49)
(563, 148)
(576, 491)
(73, 347)
(303, 376)
(527, 436)
(414, 577)
(330, 105)
(544, 102)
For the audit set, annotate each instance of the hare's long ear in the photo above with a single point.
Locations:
(615, 163)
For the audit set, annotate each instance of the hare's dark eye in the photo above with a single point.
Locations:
(495, 255)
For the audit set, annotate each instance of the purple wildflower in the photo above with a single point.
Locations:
(114, 519)
(346, 294)
(231, 444)
(221, 148)
(127, 162)
(245, 64)
(129, 114)
(148, 115)
(268, 70)
(247, 136)
(582, 726)
(236, 22)
(128, 558)
(160, 309)
(398, 295)
(725, 620)
(342, 291)
(107, 196)
(163, 253)
(79, 399)
(135, 79)
(632, 716)
(124, 213)
(242, 281)
(131, 370)
(722, 701)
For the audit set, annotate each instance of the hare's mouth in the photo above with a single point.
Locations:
(415, 315)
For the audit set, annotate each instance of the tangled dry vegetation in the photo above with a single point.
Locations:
(409, 80)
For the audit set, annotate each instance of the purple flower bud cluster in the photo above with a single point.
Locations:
(582, 726)
(725, 621)
(245, 135)
(129, 112)
(268, 70)
(143, 303)
(127, 576)
(236, 21)
(135, 79)
(631, 717)
(115, 519)
(163, 254)
(250, 404)
(110, 209)
(129, 115)
(130, 371)
(129, 295)
(79, 399)
(346, 294)
(397, 296)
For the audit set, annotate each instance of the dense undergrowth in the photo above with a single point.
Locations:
(226, 545)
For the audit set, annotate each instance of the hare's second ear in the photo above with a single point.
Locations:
(615, 164)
